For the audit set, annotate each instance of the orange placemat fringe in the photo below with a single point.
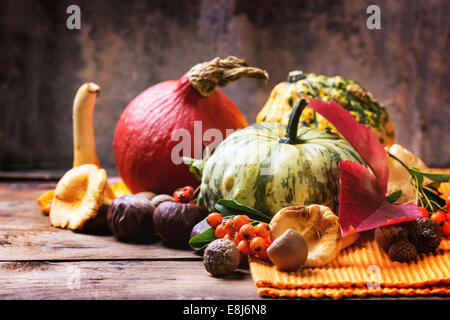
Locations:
(337, 293)
(360, 270)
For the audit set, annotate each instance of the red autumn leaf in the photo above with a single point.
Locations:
(363, 205)
(364, 140)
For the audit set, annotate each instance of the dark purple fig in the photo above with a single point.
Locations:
(174, 221)
(130, 218)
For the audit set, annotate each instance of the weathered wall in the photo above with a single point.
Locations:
(126, 46)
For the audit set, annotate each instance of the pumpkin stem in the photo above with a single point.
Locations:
(292, 127)
(206, 76)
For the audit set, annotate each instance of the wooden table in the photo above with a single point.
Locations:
(38, 261)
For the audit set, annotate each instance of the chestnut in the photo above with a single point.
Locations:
(199, 228)
(130, 218)
(289, 251)
(160, 198)
(146, 194)
(174, 221)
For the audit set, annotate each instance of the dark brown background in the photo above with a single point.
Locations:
(126, 46)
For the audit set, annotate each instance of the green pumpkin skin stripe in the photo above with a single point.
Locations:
(299, 174)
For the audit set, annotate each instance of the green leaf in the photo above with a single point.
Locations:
(195, 166)
(435, 198)
(439, 177)
(428, 195)
(201, 240)
(394, 196)
(434, 185)
(231, 207)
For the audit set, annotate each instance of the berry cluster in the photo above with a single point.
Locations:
(251, 237)
(441, 217)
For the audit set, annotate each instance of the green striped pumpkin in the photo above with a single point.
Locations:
(269, 166)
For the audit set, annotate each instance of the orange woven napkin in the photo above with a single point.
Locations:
(360, 270)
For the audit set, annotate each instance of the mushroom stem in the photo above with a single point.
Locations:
(83, 128)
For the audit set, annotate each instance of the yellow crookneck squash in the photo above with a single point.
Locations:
(348, 93)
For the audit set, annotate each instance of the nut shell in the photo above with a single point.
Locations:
(387, 235)
(200, 227)
(402, 251)
(146, 194)
(174, 221)
(289, 251)
(130, 218)
(160, 198)
(221, 257)
(425, 234)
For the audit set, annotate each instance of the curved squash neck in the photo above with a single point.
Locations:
(292, 127)
(83, 129)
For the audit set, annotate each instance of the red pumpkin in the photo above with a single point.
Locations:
(143, 141)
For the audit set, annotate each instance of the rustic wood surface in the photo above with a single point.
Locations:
(38, 261)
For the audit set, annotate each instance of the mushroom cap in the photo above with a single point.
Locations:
(78, 196)
(318, 225)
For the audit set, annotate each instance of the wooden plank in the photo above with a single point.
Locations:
(38, 261)
(120, 280)
(26, 234)
(31, 175)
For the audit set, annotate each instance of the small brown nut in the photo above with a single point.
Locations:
(174, 221)
(130, 218)
(289, 251)
(160, 198)
(221, 257)
(146, 194)
(387, 235)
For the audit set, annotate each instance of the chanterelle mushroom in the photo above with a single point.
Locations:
(318, 225)
(78, 197)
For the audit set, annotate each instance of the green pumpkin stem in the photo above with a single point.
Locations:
(292, 127)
